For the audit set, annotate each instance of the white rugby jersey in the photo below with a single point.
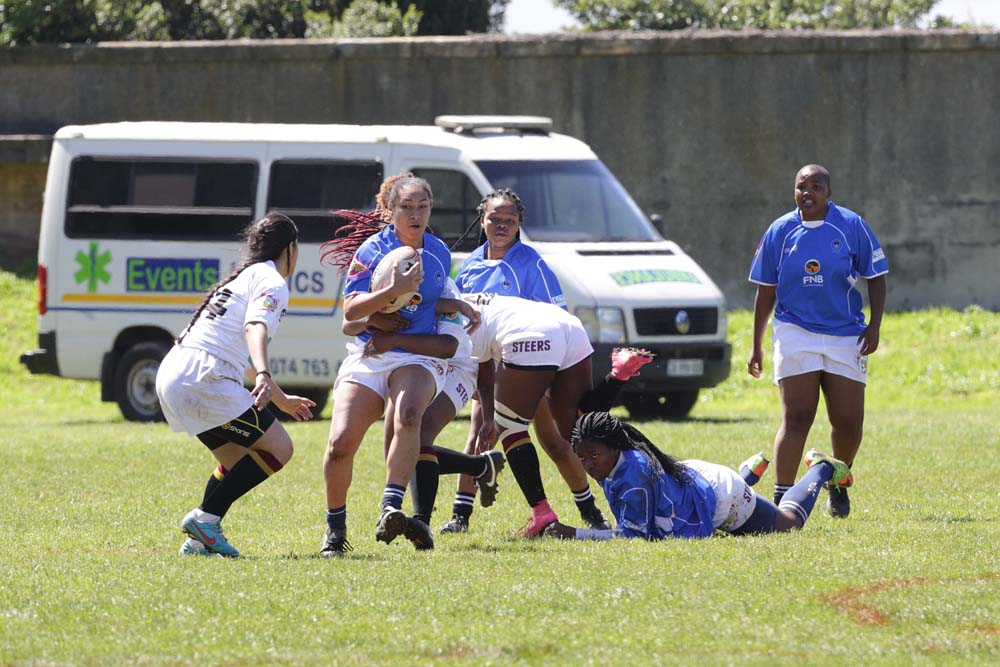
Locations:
(504, 318)
(257, 294)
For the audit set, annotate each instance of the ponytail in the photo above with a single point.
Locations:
(263, 240)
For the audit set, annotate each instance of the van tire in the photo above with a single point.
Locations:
(319, 396)
(671, 405)
(134, 384)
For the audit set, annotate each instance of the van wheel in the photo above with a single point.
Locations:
(670, 405)
(134, 384)
(319, 396)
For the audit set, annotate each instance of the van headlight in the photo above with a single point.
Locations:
(603, 325)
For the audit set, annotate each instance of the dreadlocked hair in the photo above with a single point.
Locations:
(263, 240)
(339, 250)
(616, 434)
(500, 193)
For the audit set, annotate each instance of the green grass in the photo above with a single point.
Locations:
(88, 538)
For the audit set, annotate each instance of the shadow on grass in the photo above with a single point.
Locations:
(30, 426)
(693, 420)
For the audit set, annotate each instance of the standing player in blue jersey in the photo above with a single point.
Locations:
(807, 268)
(655, 496)
(503, 265)
(409, 382)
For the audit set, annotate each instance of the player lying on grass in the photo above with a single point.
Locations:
(654, 496)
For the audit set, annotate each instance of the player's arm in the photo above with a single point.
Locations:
(441, 346)
(564, 532)
(258, 373)
(763, 303)
(448, 305)
(876, 300)
(484, 409)
(375, 322)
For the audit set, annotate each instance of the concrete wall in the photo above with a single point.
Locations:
(707, 129)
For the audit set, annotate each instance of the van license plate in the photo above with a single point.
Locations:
(685, 367)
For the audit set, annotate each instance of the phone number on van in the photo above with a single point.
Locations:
(292, 366)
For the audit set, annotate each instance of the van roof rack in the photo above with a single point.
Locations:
(525, 124)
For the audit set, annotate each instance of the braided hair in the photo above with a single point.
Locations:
(339, 250)
(263, 240)
(500, 193)
(616, 434)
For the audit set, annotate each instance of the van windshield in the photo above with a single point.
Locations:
(570, 200)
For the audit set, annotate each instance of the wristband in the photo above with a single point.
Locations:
(590, 534)
(267, 373)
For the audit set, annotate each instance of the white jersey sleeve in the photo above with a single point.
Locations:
(257, 294)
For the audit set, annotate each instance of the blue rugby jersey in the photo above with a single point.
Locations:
(522, 272)
(436, 259)
(816, 266)
(650, 504)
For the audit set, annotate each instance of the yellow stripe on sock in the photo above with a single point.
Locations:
(517, 443)
(261, 463)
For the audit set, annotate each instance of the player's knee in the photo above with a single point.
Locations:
(340, 448)
(408, 417)
(509, 423)
(798, 421)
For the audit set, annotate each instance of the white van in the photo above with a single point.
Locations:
(140, 219)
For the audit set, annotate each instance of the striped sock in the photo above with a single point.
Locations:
(801, 498)
(584, 500)
(779, 491)
(248, 472)
(425, 484)
(336, 518)
(464, 502)
(392, 497)
(213, 481)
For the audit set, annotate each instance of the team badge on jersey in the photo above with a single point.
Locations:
(270, 303)
(835, 245)
(812, 266)
(356, 269)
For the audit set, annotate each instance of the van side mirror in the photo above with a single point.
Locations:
(657, 220)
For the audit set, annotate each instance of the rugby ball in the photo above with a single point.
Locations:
(404, 257)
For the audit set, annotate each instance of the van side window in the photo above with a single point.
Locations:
(140, 198)
(308, 191)
(455, 202)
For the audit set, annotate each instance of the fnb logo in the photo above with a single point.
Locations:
(812, 280)
(812, 266)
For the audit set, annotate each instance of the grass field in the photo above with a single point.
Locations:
(90, 505)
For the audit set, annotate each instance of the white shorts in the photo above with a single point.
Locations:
(199, 391)
(373, 372)
(797, 351)
(734, 500)
(460, 381)
(560, 346)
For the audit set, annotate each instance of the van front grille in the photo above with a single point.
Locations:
(664, 321)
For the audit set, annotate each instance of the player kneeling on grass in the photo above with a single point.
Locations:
(654, 496)
(200, 381)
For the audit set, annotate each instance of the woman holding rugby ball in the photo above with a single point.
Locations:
(409, 382)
